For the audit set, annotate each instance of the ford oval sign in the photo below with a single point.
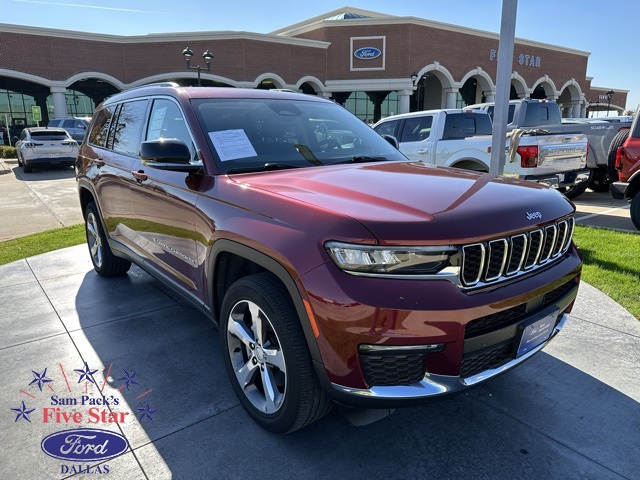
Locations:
(367, 53)
(84, 445)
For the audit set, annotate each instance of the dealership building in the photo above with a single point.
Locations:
(372, 63)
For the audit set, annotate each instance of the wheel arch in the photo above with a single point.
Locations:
(634, 186)
(468, 163)
(229, 261)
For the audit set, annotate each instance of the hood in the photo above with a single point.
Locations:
(410, 202)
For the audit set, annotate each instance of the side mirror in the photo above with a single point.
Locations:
(167, 154)
(392, 140)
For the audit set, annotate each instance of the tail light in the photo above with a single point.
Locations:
(528, 156)
(619, 155)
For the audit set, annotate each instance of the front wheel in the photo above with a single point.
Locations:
(104, 261)
(266, 356)
(635, 210)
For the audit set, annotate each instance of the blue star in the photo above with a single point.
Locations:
(40, 378)
(146, 412)
(129, 378)
(23, 413)
(85, 373)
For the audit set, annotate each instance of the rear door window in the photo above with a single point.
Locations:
(129, 126)
(463, 125)
(100, 129)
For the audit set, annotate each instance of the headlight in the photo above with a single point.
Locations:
(363, 259)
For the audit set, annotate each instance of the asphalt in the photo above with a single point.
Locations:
(572, 411)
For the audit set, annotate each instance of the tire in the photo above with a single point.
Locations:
(19, 159)
(635, 210)
(104, 261)
(599, 180)
(273, 351)
(617, 141)
(575, 191)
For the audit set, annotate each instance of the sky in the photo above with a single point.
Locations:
(604, 29)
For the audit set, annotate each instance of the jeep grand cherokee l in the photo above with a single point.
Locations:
(336, 270)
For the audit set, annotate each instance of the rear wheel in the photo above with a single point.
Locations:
(575, 191)
(104, 261)
(266, 356)
(617, 141)
(635, 210)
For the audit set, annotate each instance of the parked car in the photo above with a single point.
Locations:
(462, 138)
(335, 268)
(76, 126)
(531, 113)
(44, 146)
(627, 164)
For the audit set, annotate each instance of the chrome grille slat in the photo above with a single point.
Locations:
(490, 262)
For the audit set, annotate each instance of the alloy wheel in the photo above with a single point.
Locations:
(256, 357)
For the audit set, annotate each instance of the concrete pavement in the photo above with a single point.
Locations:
(572, 412)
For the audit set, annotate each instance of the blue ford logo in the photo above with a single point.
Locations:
(367, 53)
(84, 445)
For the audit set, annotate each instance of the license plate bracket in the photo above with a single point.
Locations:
(536, 331)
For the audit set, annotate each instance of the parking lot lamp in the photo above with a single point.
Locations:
(609, 94)
(187, 53)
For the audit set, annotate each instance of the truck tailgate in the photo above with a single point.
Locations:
(561, 152)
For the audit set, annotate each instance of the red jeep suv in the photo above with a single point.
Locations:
(627, 164)
(336, 270)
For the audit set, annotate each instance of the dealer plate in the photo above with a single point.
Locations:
(54, 155)
(536, 333)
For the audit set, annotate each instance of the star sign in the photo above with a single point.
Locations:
(85, 373)
(129, 378)
(23, 413)
(146, 412)
(40, 378)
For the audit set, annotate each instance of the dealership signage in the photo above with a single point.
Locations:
(523, 58)
(367, 53)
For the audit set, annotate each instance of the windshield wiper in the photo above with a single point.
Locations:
(262, 168)
(362, 159)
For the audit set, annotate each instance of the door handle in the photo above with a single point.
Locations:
(100, 163)
(422, 151)
(139, 175)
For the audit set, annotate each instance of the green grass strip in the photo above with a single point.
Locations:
(612, 264)
(23, 247)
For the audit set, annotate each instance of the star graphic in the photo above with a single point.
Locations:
(129, 378)
(23, 413)
(85, 373)
(146, 412)
(40, 378)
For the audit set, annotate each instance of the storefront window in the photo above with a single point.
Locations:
(78, 105)
(362, 107)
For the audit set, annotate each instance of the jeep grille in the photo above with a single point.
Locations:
(494, 261)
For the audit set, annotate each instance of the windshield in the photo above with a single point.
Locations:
(254, 134)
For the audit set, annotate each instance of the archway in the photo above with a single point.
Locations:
(477, 87)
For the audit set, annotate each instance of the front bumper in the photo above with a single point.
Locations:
(445, 340)
(432, 385)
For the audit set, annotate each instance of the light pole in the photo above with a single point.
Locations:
(187, 53)
(609, 94)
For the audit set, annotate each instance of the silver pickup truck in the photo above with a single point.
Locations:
(461, 138)
(544, 114)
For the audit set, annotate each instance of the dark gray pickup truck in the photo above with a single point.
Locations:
(545, 114)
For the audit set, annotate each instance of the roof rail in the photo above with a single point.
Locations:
(158, 84)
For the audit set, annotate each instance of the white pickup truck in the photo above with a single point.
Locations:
(462, 138)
